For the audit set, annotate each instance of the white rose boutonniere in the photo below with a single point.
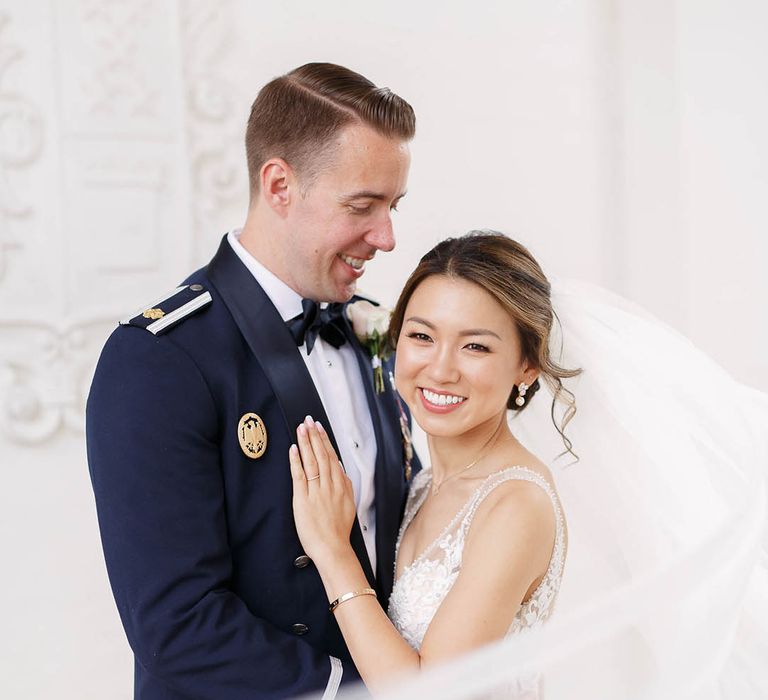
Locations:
(371, 325)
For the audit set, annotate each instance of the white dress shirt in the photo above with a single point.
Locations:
(337, 378)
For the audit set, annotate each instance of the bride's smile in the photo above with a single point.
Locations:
(458, 357)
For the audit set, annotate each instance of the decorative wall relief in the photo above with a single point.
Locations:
(121, 214)
(21, 142)
(45, 373)
(118, 83)
(109, 198)
(215, 123)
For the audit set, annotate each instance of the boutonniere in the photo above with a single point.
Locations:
(371, 325)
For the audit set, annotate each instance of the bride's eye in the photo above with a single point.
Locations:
(477, 347)
(416, 335)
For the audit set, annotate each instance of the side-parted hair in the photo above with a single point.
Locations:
(296, 116)
(510, 274)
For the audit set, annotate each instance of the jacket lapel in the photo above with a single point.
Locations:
(275, 350)
(388, 479)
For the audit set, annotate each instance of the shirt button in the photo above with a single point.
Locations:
(356, 444)
(195, 287)
(365, 528)
(299, 629)
(329, 363)
(301, 561)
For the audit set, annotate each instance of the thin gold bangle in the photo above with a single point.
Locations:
(348, 596)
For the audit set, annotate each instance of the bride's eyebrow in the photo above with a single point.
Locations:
(468, 331)
(422, 321)
(479, 331)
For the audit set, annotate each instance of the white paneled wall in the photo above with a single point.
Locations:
(624, 142)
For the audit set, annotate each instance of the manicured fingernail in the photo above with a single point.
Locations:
(302, 429)
(293, 449)
(320, 428)
(308, 420)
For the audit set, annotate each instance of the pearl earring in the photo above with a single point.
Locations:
(520, 400)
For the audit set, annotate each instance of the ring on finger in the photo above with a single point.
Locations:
(312, 478)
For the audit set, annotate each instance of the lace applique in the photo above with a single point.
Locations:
(424, 584)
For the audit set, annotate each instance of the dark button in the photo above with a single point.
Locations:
(365, 528)
(302, 561)
(195, 287)
(299, 628)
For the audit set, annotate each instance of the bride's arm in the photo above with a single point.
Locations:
(324, 510)
(501, 559)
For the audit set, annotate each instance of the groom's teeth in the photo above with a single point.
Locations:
(441, 399)
(355, 263)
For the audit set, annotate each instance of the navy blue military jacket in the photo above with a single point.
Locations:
(214, 592)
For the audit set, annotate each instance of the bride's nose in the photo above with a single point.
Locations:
(443, 368)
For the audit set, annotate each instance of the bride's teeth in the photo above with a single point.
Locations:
(441, 399)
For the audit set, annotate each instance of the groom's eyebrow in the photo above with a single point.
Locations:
(468, 331)
(370, 194)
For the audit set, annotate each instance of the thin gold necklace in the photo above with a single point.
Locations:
(436, 487)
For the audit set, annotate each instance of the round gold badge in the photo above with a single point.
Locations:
(252, 435)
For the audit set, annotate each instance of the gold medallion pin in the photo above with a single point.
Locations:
(252, 435)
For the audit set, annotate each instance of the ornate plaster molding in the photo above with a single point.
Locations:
(45, 373)
(214, 126)
(21, 141)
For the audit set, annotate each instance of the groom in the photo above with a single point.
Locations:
(196, 400)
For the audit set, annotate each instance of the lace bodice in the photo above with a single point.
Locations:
(423, 585)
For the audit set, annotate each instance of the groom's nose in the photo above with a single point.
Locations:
(382, 235)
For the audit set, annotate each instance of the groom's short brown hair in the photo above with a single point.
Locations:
(295, 116)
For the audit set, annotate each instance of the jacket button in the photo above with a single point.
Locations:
(302, 561)
(299, 628)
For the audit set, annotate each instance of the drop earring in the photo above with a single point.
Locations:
(520, 400)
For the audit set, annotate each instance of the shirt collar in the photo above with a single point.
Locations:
(286, 301)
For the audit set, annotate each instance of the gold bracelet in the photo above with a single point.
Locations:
(348, 596)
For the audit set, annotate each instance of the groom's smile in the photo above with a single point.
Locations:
(341, 220)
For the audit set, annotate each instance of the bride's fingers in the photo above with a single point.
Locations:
(336, 466)
(306, 453)
(297, 471)
(320, 453)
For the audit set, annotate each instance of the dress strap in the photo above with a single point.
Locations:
(509, 474)
(416, 497)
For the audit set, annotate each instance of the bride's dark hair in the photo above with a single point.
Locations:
(510, 274)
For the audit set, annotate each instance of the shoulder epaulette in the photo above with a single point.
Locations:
(171, 309)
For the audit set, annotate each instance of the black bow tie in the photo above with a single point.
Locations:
(329, 323)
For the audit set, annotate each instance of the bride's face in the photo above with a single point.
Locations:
(458, 357)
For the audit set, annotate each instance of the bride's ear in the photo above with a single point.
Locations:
(529, 374)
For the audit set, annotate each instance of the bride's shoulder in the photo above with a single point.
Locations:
(519, 499)
(516, 521)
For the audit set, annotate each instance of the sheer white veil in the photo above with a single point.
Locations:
(665, 592)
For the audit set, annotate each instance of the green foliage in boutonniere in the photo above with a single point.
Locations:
(371, 324)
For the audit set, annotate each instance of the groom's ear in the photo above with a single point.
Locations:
(276, 178)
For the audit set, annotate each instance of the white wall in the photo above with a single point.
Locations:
(623, 141)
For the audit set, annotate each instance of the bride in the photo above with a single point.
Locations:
(666, 589)
(483, 542)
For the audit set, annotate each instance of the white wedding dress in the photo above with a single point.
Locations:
(423, 585)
